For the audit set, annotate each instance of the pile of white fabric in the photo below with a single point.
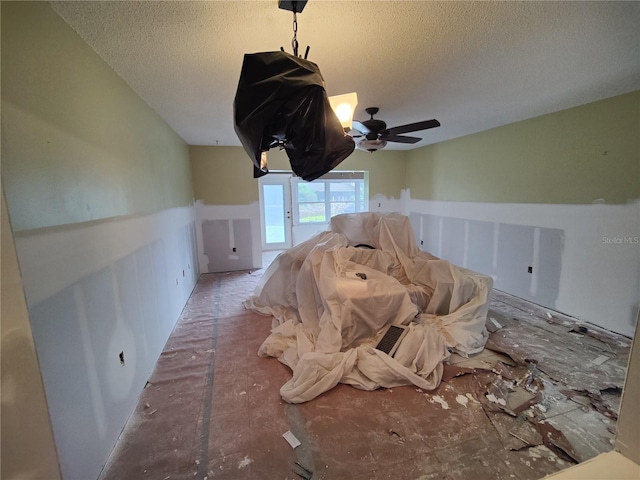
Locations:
(331, 298)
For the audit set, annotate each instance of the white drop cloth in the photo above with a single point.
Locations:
(327, 319)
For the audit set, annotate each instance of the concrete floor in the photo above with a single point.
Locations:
(212, 409)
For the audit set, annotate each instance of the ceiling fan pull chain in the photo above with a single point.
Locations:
(294, 42)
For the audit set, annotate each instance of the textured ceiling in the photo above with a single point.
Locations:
(471, 65)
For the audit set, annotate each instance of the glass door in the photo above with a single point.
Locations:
(275, 211)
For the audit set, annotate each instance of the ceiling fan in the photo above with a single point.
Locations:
(373, 134)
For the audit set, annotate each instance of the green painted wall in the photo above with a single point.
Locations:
(77, 143)
(224, 175)
(574, 156)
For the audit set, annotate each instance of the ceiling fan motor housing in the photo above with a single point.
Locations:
(375, 126)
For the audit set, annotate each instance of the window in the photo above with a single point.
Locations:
(312, 202)
(332, 194)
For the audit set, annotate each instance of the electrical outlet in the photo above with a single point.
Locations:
(234, 249)
(121, 357)
(421, 242)
(530, 269)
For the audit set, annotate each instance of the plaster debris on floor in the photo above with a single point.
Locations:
(531, 403)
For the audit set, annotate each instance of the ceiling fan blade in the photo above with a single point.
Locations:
(356, 125)
(400, 138)
(412, 127)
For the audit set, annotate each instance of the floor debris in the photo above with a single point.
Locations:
(600, 360)
(553, 414)
(516, 433)
(303, 472)
(438, 399)
(566, 361)
(494, 326)
(291, 438)
(555, 440)
(452, 371)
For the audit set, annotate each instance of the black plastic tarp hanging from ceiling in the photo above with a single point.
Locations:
(281, 102)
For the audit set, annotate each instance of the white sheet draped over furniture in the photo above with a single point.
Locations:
(330, 300)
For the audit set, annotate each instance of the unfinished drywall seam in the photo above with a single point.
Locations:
(97, 400)
(533, 269)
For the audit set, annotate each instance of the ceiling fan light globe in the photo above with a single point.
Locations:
(371, 145)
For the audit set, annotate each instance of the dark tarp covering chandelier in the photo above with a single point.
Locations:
(281, 102)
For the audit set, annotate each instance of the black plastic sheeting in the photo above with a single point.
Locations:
(281, 102)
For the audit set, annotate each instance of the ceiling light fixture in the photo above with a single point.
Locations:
(281, 102)
(344, 107)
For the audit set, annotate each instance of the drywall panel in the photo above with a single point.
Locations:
(54, 258)
(242, 242)
(220, 241)
(480, 248)
(515, 256)
(548, 251)
(587, 256)
(228, 244)
(454, 240)
(95, 357)
(415, 219)
(73, 375)
(216, 244)
(28, 449)
(522, 260)
(431, 234)
(103, 299)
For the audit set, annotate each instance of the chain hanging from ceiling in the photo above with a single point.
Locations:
(294, 41)
(295, 7)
